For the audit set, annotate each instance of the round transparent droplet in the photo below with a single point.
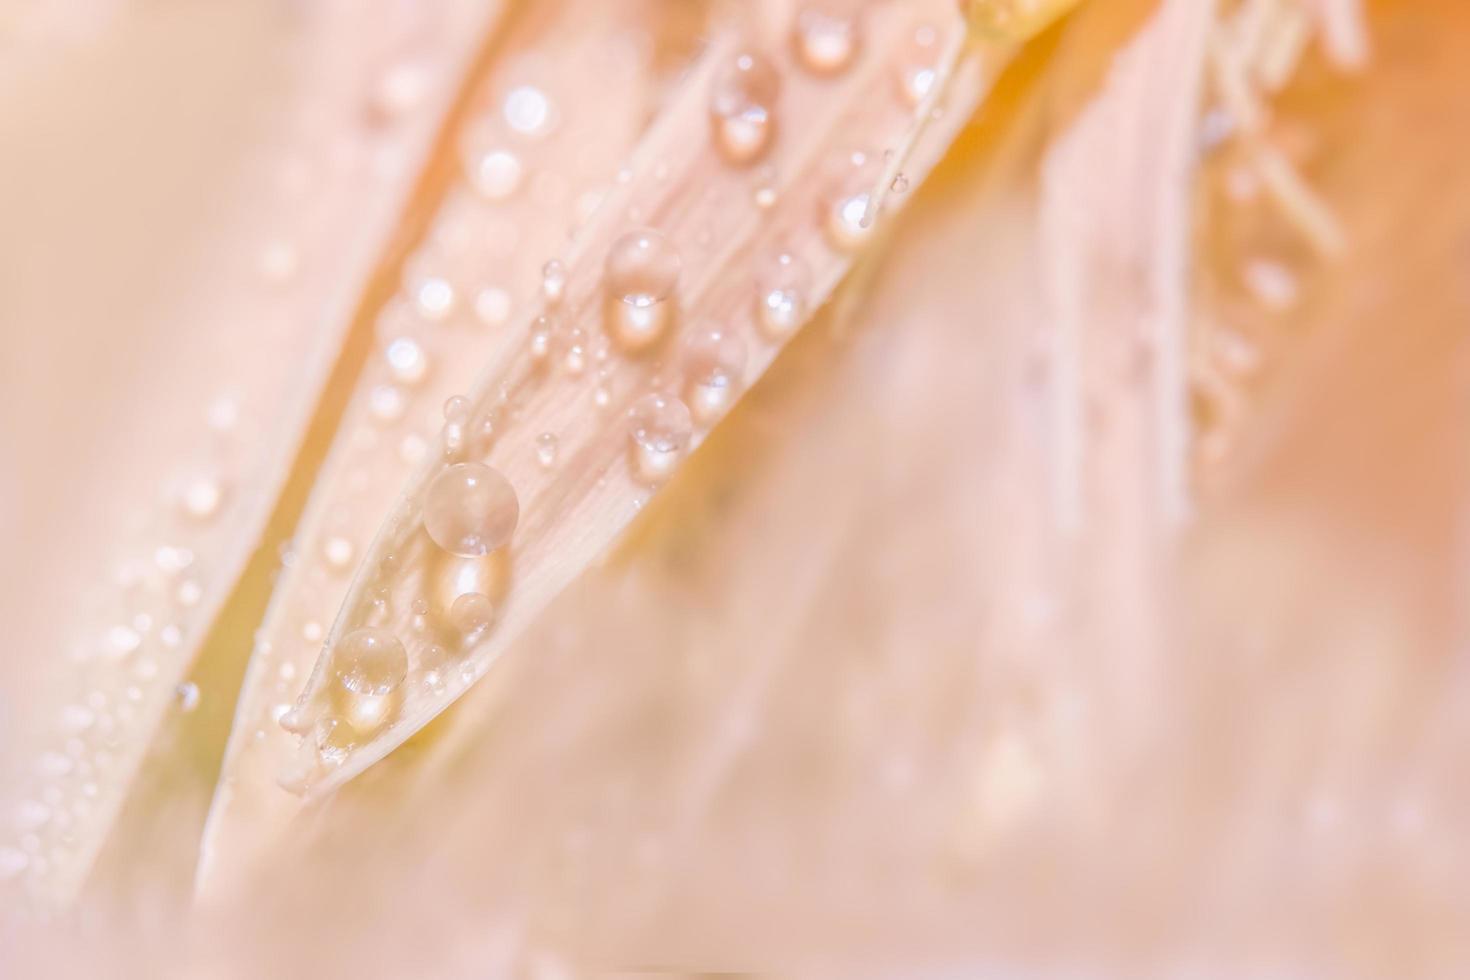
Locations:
(553, 281)
(827, 35)
(370, 662)
(714, 367)
(659, 427)
(470, 510)
(640, 276)
(471, 614)
(918, 64)
(546, 449)
(783, 291)
(743, 107)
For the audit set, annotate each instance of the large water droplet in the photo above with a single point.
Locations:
(827, 35)
(470, 510)
(370, 662)
(659, 426)
(783, 290)
(641, 274)
(743, 105)
(714, 367)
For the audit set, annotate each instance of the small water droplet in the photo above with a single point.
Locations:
(851, 181)
(539, 343)
(900, 183)
(546, 450)
(496, 174)
(399, 90)
(553, 281)
(827, 36)
(918, 63)
(742, 107)
(783, 285)
(386, 403)
(492, 306)
(659, 426)
(529, 111)
(470, 509)
(456, 408)
(642, 271)
(188, 696)
(201, 498)
(122, 641)
(434, 298)
(714, 367)
(471, 614)
(406, 361)
(279, 261)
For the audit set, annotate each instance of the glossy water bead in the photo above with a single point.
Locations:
(826, 34)
(471, 614)
(470, 510)
(370, 662)
(783, 288)
(641, 273)
(714, 366)
(659, 427)
(743, 106)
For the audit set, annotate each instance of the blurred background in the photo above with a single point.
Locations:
(1081, 593)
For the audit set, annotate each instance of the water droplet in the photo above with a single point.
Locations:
(917, 65)
(659, 426)
(900, 183)
(539, 343)
(311, 631)
(370, 662)
(386, 403)
(827, 36)
(399, 90)
(553, 281)
(406, 361)
(546, 450)
(714, 367)
(851, 180)
(492, 306)
(189, 593)
(470, 509)
(121, 641)
(471, 614)
(279, 261)
(742, 107)
(783, 286)
(642, 272)
(338, 552)
(201, 497)
(529, 111)
(456, 408)
(434, 298)
(496, 174)
(188, 696)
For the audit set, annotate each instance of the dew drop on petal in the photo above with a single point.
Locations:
(743, 106)
(471, 614)
(827, 35)
(641, 273)
(407, 361)
(783, 288)
(492, 306)
(659, 427)
(370, 662)
(714, 367)
(496, 174)
(546, 450)
(470, 510)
